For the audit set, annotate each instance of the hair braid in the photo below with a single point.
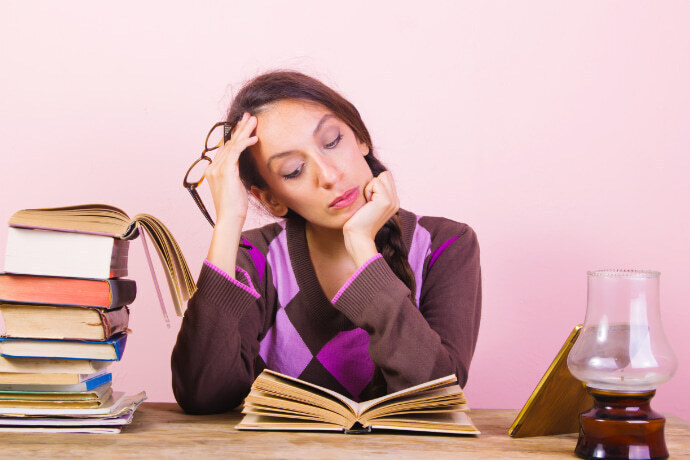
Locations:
(389, 241)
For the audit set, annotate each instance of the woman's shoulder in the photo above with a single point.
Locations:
(436, 230)
(261, 238)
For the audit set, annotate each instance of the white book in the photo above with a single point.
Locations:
(124, 419)
(58, 253)
(62, 429)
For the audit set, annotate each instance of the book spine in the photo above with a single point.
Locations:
(119, 347)
(98, 381)
(122, 292)
(114, 321)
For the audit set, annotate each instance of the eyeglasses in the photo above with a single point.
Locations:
(215, 138)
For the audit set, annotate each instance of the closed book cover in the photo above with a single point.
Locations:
(100, 425)
(124, 419)
(61, 429)
(54, 253)
(109, 350)
(89, 383)
(50, 290)
(89, 395)
(56, 403)
(118, 404)
(35, 369)
(63, 322)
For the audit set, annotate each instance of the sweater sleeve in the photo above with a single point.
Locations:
(411, 345)
(213, 359)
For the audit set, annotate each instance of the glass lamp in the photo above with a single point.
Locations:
(622, 355)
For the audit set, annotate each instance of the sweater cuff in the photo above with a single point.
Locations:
(374, 277)
(249, 287)
(218, 290)
(354, 277)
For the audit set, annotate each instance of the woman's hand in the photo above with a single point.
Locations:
(361, 229)
(229, 195)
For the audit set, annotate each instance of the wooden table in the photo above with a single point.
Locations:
(162, 430)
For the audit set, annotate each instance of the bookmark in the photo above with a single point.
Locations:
(155, 278)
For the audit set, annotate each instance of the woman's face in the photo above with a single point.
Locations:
(310, 159)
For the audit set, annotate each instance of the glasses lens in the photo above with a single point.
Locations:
(215, 137)
(196, 172)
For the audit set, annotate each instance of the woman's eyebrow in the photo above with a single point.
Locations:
(316, 130)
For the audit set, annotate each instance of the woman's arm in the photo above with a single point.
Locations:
(412, 345)
(213, 359)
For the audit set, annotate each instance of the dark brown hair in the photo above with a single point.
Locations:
(280, 85)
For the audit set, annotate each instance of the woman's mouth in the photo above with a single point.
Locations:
(346, 199)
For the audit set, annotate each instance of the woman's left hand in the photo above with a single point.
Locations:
(361, 229)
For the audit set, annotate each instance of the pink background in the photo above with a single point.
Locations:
(558, 131)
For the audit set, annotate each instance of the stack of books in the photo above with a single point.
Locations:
(64, 303)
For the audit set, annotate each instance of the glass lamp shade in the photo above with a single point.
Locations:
(622, 346)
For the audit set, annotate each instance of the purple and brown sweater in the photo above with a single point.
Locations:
(374, 337)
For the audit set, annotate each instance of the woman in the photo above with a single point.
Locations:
(348, 291)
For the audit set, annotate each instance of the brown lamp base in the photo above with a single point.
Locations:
(621, 425)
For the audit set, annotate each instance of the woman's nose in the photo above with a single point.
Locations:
(329, 172)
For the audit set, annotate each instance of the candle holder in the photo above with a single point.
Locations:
(622, 355)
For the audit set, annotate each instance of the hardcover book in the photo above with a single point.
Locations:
(39, 370)
(109, 350)
(280, 402)
(97, 393)
(88, 382)
(56, 403)
(118, 404)
(556, 402)
(64, 322)
(110, 293)
(75, 255)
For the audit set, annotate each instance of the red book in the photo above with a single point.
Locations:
(49, 290)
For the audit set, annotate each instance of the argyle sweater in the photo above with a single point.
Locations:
(374, 337)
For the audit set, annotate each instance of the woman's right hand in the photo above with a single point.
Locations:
(229, 195)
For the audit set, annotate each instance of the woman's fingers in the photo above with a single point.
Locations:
(244, 127)
(384, 185)
(239, 141)
(369, 189)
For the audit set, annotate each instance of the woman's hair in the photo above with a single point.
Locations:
(274, 86)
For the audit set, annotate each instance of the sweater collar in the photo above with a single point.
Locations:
(321, 307)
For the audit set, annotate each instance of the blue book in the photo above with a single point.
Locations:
(98, 379)
(108, 350)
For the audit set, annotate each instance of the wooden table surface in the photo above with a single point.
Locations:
(162, 430)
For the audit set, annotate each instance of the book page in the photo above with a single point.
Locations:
(444, 399)
(281, 403)
(100, 219)
(450, 422)
(365, 405)
(260, 422)
(178, 275)
(297, 382)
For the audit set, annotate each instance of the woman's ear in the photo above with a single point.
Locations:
(274, 206)
(363, 148)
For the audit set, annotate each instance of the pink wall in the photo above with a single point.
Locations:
(558, 131)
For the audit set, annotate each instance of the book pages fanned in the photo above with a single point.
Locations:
(106, 220)
(280, 402)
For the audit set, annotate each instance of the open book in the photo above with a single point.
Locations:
(280, 402)
(101, 219)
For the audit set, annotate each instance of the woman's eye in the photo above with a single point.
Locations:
(294, 173)
(335, 142)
